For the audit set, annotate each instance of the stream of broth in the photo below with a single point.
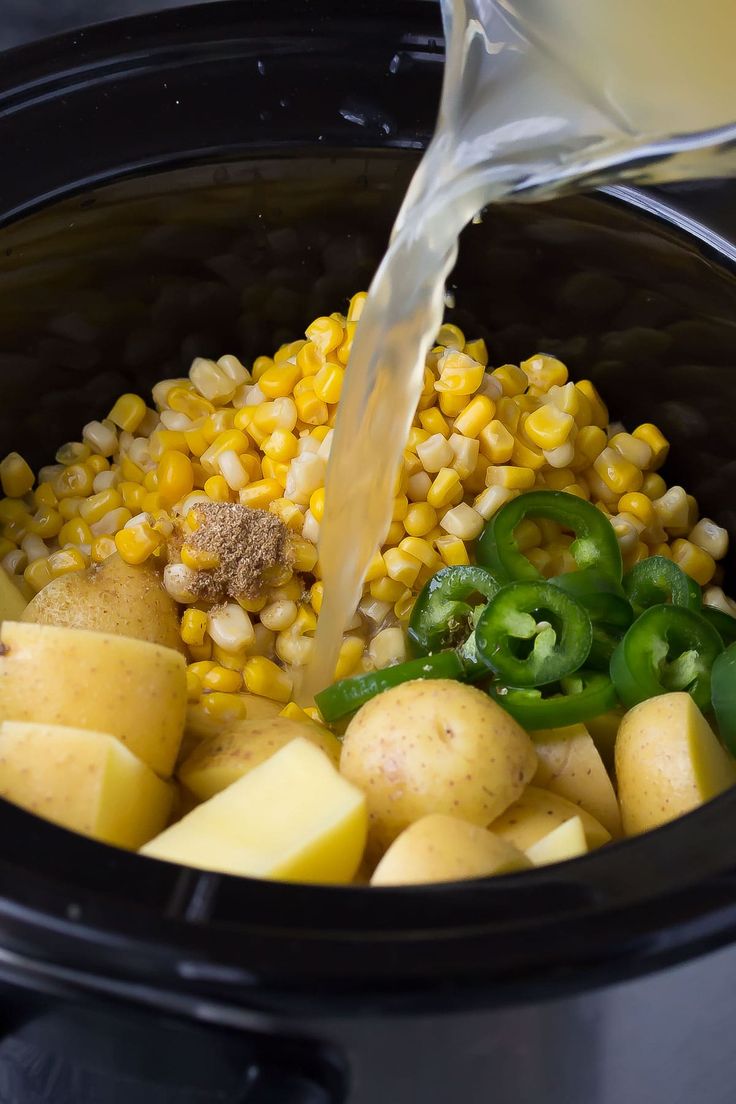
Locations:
(539, 97)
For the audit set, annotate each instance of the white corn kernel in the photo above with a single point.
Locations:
(175, 420)
(307, 443)
(306, 474)
(254, 396)
(14, 562)
(465, 452)
(34, 547)
(627, 534)
(388, 647)
(100, 437)
(233, 369)
(324, 448)
(110, 523)
(637, 452)
(232, 470)
(492, 499)
(211, 381)
(462, 521)
(560, 457)
(435, 453)
(140, 519)
(49, 473)
(160, 391)
(714, 596)
(672, 508)
(417, 487)
(279, 616)
(310, 528)
(104, 480)
(710, 537)
(192, 499)
(294, 649)
(230, 627)
(179, 583)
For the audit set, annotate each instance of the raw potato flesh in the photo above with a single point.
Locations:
(293, 818)
(570, 766)
(537, 812)
(567, 841)
(668, 761)
(86, 781)
(434, 746)
(12, 602)
(128, 688)
(216, 763)
(441, 848)
(113, 597)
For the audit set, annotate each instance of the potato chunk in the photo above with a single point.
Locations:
(537, 812)
(566, 841)
(570, 765)
(668, 761)
(12, 602)
(218, 762)
(293, 818)
(441, 848)
(133, 690)
(434, 746)
(86, 781)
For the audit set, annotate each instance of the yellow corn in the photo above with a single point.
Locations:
(175, 476)
(618, 473)
(386, 590)
(101, 548)
(75, 481)
(303, 554)
(186, 401)
(289, 513)
(433, 422)
(65, 562)
(281, 446)
(224, 707)
(132, 495)
(44, 496)
(548, 427)
(445, 483)
(351, 652)
(16, 476)
(75, 531)
(278, 381)
(694, 561)
(38, 574)
(510, 476)
(421, 550)
(263, 677)
(452, 551)
(527, 534)
(513, 379)
(541, 559)
(12, 509)
(198, 559)
(638, 504)
(216, 488)
(316, 596)
(376, 568)
(128, 412)
(328, 383)
(475, 416)
(496, 443)
(193, 626)
(317, 504)
(258, 495)
(463, 521)
(459, 374)
(477, 350)
(137, 543)
(657, 442)
(450, 336)
(527, 455)
(163, 440)
(420, 518)
(451, 405)
(355, 307)
(401, 566)
(222, 680)
(325, 333)
(45, 523)
(598, 409)
(653, 486)
(194, 687)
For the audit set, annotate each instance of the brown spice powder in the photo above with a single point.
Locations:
(247, 542)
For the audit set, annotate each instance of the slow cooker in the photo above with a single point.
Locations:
(208, 180)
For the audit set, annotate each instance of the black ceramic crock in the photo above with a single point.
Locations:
(207, 181)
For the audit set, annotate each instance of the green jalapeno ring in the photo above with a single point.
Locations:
(347, 695)
(442, 615)
(723, 695)
(594, 546)
(578, 698)
(656, 581)
(533, 633)
(667, 648)
(723, 623)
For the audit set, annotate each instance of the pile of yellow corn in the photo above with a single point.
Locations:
(262, 438)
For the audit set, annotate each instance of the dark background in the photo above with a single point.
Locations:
(24, 20)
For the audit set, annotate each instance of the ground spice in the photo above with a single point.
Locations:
(248, 542)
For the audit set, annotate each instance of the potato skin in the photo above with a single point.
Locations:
(114, 597)
(441, 848)
(668, 762)
(434, 746)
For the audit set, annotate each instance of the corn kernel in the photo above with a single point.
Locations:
(548, 427)
(75, 531)
(128, 412)
(598, 409)
(496, 442)
(278, 381)
(433, 422)
(450, 336)
(139, 542)
(618, 473)
(657, 442)
(446, 482)
(527, 455)
(325, 333)
(101, 548)
(462, 521)
(401, 566)
(510, 476)
(459, 374)
(492, 499)
(513, 379)
(303, 554)
(351, 653)
(259, 494)
(386, 589)
(653, 486)
(194, 686)
(694, 561)
(477, 350)
(194, 627)
(639, 505)
(44, 496)
(16, 476)
(475, 416)
(421, 550)
(672, 509)
(328, 383)
(710, 537)
(38, 574)
(589, 444)
(451, 405)
(452, 551)
(44, 523)
(420, 519)
(355, 307)
(263, 677)
(317, 504)
(224, 707)
(65, 562)
(279, 615)
(541, 559)
(222, 680)
(636, 451)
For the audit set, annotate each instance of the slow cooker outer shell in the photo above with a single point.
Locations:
(112, 102)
